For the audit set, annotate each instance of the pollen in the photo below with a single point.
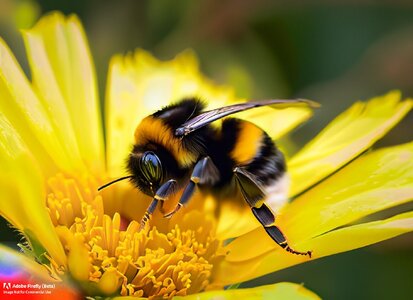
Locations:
(107, 256)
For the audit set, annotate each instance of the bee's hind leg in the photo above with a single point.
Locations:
(204, 172)
(254, 196)
(161, 194)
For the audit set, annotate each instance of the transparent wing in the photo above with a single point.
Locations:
(212, 115)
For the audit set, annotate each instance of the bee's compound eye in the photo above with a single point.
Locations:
(151, 167)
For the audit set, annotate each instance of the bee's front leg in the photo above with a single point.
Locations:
(161, 194)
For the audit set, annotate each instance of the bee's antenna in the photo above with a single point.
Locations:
(114, 181)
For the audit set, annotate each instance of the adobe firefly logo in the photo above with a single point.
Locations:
(6, 285)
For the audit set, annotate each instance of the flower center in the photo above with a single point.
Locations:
(108, 257)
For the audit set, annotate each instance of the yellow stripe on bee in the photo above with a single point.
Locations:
(152, 129)
(248, 143)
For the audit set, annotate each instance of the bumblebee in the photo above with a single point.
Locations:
(178, 148)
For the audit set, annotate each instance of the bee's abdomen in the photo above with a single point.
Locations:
(268, 164)
(249, 146)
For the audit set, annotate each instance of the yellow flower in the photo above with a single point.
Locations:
(53, 160)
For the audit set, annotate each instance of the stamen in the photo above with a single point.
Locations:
(144, 263)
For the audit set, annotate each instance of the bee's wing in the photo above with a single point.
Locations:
(212, 115)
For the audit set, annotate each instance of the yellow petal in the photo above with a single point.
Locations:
(333, 242)
(282, 290)
(361, 235)
(379, 180)
(12, 261)
(347, 136)
(22, 191)
(24, 110)
(64, 78)
(139, 84)
(45, 84)
(235, 219)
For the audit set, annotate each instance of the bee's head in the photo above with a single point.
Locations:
(146, 170)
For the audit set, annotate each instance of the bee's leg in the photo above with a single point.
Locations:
(161, 194)
(254, 196)
(204, 172)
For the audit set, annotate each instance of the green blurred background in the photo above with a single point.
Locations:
(335, 52)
